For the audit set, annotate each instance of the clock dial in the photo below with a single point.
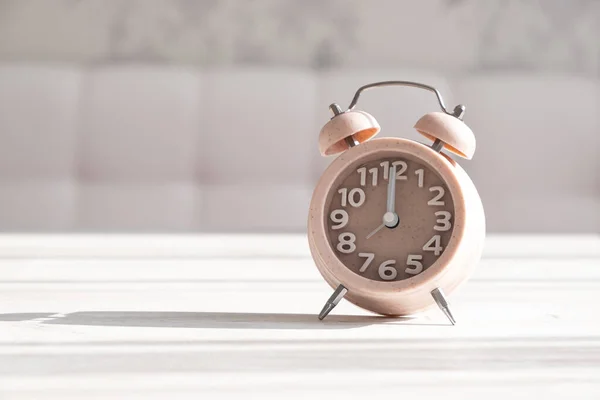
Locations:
(389, 230)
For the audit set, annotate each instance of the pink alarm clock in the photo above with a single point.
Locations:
(395, 225)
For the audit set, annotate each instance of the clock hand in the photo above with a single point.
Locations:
(391, 189)
(390, 218)
(375, 231)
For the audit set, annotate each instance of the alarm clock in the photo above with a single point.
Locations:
(395, 225)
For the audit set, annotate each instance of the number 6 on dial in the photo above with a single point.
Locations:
(386, 271)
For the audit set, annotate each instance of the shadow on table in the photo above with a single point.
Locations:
(211, 320)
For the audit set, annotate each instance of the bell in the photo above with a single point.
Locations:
(452, 132)
(350, 126)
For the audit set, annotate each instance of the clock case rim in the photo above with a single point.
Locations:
(335, 272)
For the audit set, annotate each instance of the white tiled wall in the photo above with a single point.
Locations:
(558, 36)
(537, 150)
(255, 125)
(149, 148)
(138, 124)
(39, 108)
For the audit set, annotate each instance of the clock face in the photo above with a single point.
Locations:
(389, 230)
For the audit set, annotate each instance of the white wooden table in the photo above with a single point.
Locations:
(210, 317)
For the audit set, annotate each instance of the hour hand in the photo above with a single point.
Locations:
(380, 227)
(390, 220)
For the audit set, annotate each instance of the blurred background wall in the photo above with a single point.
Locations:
(194, 116)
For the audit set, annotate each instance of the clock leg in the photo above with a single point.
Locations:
(442, 303)
(333, 301)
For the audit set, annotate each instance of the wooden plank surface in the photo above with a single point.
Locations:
(234, 316)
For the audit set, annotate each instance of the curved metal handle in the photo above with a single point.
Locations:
(458, 112)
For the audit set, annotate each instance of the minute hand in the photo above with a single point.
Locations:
(391, 191)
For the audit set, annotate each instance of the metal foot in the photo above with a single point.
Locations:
(333, 301)
(442, 303)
